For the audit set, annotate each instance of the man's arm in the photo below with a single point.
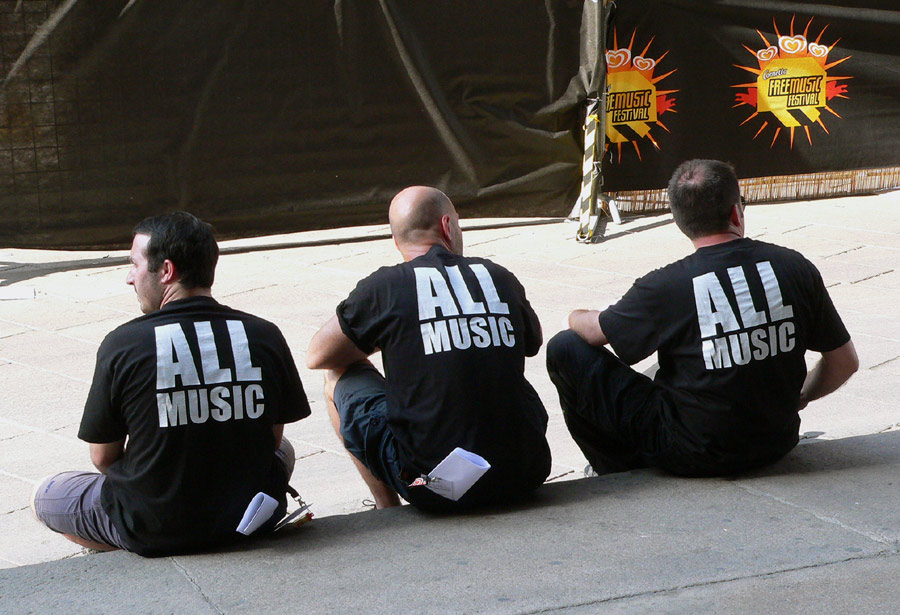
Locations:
(833, 369)
(103, 454)
(278, 431)
(586, 323)
(330, 348)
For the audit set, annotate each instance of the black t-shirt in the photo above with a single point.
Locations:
(731, 323)
(454, 333)
(196, 387)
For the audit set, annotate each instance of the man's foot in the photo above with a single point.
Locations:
(589, 472)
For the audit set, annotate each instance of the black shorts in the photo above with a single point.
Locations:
(362, 405)
(361, 402)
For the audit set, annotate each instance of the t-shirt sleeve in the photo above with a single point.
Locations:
(533, 335)
(294, 403)
(103, 421)
(827, 331)
(630, 324)
(361, 314)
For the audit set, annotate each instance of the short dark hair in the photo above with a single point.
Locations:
(701, 196)
(185, 240)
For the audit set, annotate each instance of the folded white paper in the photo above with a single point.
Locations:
(457, 473)
(260, 510)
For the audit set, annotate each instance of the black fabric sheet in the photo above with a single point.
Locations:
(277, 117)
(265, 117)
(702, 50)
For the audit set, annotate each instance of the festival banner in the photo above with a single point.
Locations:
(773, 88)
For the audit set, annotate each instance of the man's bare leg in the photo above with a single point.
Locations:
(90, 544)
(384, 495)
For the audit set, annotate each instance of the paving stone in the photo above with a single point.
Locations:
(566, 453)
(94, 333)
(52, 353)
(875, 351)
(54, 402)
(815, 249)
(27, 541)
(843, 414)
(330, 484)
(837, 271)
(867, 237)
(611, 537)
(32, 456)
(876, 325)
(9, 329)
(15, 494)
(10, 429)
(526, 269)
(283, 305)
(315, 431)
(833, 589)
(851, 481)
(880, 384)
(889, 280)
(867, 298)
(124, 302)
(87, 284)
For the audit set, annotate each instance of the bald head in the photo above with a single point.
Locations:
(422, 217)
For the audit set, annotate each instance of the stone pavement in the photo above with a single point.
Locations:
(636, 542)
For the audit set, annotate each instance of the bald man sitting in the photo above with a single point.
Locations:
(454, 332)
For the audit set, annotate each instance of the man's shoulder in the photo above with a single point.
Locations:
(738, 250)
(126, 334)
(493, 267)
(134, 331)
(383, 278)
(228, 313)
(774, 248)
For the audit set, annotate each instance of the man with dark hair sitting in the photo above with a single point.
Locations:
(731, 324)
(185, 413)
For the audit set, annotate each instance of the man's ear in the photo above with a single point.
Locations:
(167, 272)
(737, 215)
(447, 228)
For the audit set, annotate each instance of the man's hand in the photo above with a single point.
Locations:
(105, 454)
(330, 348)
(833, 369)
(586, 323)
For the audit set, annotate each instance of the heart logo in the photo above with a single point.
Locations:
(617, 58)
(819, 51)
(792, 44)
(768, 54)
(642, 63)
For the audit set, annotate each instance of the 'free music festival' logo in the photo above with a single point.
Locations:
(792, 83)
(633, 104)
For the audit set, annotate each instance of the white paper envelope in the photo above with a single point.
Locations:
(260, 510)
(456, 474)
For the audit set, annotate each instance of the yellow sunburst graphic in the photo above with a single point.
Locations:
(633, 104)
(792, 84)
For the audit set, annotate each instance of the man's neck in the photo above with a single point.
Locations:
(411, 251)
(175, 292)
(712, 240)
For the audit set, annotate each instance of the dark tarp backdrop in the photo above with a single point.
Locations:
(276, 117)
(271, 117)
(839, 54)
